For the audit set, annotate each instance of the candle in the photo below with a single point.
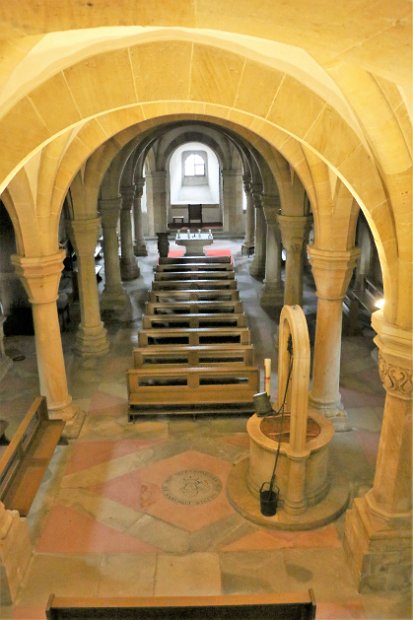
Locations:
(267, 375)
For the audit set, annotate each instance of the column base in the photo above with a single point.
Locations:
(113, 298)
(378, 553)
(247, 249)
(5, 364)
(140, 249)
(91, 341)
(257, 270)
(71, 414)
(129, 270)
(334, 412)
(272, 295)
(15, 554)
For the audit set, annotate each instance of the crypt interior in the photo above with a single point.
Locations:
(280, 136)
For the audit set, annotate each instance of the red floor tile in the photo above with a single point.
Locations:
(68, 531)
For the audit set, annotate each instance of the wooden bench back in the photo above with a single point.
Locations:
(189, 267)
(194, 336)
(229, 383)
(24, 461)
(194, 295)
(193, 356)
(194, 275)
(190, 321)
(193, 306)
(291, 606)
(193, 285)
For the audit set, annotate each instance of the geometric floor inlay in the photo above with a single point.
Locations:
(192, 487)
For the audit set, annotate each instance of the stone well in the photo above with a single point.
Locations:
(310, 492)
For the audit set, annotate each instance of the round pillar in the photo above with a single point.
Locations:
(157, 200)
(378, 532)
(232, 201)
(40, 277)
(272, 293)
(332, 272)
(128, 265)
(294, 231)
(91, 337)
(257, 267)
(113, 295)
(247, 247)
(139, 247)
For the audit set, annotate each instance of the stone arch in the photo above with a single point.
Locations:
(220, 95)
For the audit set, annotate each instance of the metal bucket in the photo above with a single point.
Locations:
(268, 499)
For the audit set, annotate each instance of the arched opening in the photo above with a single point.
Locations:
(194, 174)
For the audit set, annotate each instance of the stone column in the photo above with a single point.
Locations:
(5, 361)
(272, 292)
(247, 247)
(139, 247)
(332, 272)
(378, 528)
(257, 267)
(91, 337)
(40, 277)
(15, 553)
(113, 295)
(128, 266)
(294, 231)
(160, 218)
(232, 200)
(363, 266)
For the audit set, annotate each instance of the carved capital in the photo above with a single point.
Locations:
(110, 210)
(395, 356)
(128, 196)
(84, 234)
(294, 230)
(270, 215)
(139, 185)
(40, 276)
(332, 270)
(395, 379)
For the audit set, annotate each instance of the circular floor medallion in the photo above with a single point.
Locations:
(192, 487)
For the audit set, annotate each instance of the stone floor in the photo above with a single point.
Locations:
(112, 517)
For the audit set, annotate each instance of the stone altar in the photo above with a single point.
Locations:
(194, 242)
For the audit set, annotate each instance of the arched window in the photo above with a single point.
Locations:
(194, 166)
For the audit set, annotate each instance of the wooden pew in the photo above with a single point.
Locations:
(193, 284)
(194, 336)
(186, 260)
(178, 389)
(194, 275)
(207, 355)
(190, 321)
(193, 306)
(293, 606)
(193, 295)
(25, 460)
(189, 267)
